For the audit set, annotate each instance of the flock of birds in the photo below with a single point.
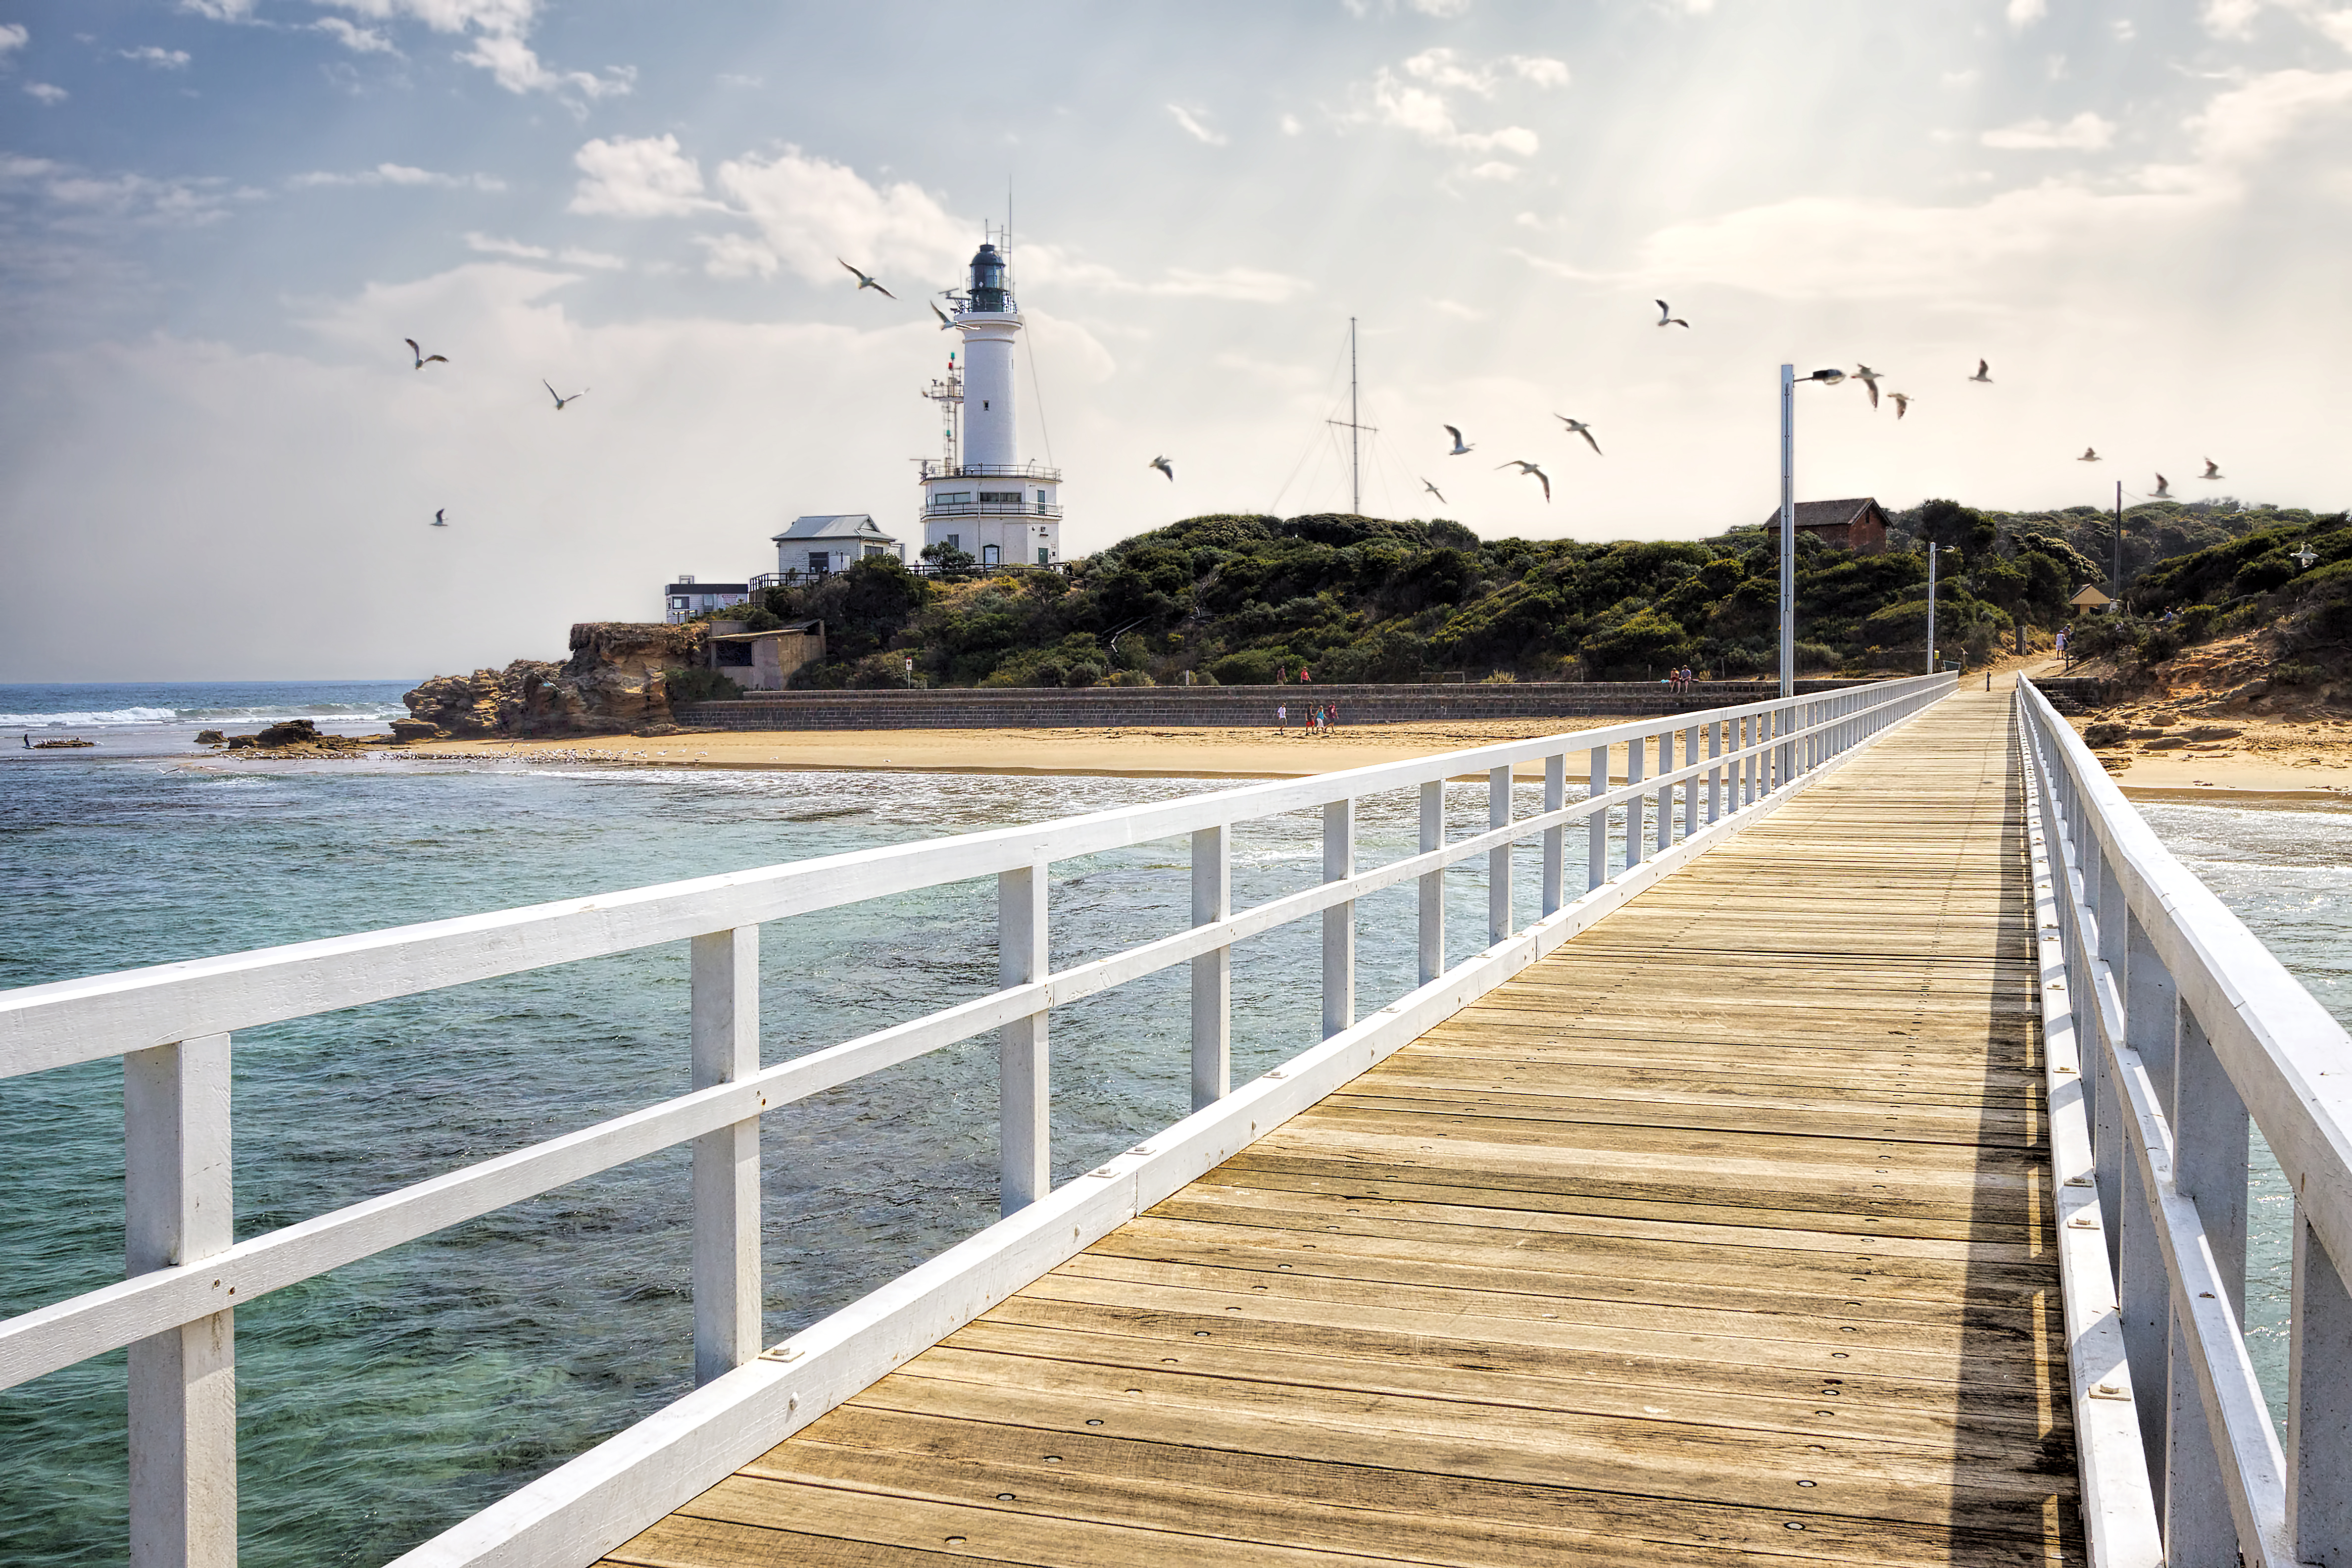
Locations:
(421, 359)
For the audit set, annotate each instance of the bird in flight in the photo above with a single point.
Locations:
(1984, 372)
(2163, 488)
(942, 315)
(1460, 446)
(423, 359)
(440, 518)
(559, 399)
(865, 282)
(1526, 468)
(1666, 317)
(1432, 489)
(2213, 470)
(1869, 378)
(1902, 403)
(1165, 467)
(1579, 427)
(2090, 455)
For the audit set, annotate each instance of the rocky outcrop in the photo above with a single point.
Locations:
(616, 680)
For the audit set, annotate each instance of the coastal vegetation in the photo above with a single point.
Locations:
(1236, 599)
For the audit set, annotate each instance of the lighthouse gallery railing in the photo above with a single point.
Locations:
(172, 1026)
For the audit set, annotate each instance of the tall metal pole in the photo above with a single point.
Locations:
(1788, 531)
(2119, 547)
(1931, 609)
(1355, 433)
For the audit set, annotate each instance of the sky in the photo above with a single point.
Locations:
(219, 220)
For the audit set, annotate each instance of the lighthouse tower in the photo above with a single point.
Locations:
(979, 497)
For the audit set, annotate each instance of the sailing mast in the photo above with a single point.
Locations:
(1355, 427)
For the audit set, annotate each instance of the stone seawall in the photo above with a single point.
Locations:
(1227, 707)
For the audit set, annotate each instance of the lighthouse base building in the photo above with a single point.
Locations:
(979, 497)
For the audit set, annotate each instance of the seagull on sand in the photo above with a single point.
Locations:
(1579, 427)
(1526, 468)
(1165, 467)
(1460, 446)
(865, 282)
(2163, 488)
(942, 315)
(2213, 470)
(1666, 317)
(440, 518)
(1902, 403)
(559, 399)
(423, 359)
(1432, 489)
(1869, 378)
(1984, 372)
(2090, 455)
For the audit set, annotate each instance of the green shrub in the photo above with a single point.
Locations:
(1252, 667)
(699, 686)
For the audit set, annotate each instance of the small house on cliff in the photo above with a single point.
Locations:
(818, 546)
(763, 661)
(687, 598)
(1858, 524)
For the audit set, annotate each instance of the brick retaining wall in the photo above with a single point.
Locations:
(1231, 707)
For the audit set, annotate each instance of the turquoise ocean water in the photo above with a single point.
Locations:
(389, 1399)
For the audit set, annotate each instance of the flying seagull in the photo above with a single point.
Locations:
(440, 518)
(559, 399)
(1460, 446)
(942, 315)
(1432, 489)
(1869, 378)
(2213, 470)
(1579, 427)
(423, 359)
(1165, 467)
(2090, 455)
(1984, 372)
(1902, 403)
(2163, 488)
(1666, 317)
(1526, 468)
(865, 282)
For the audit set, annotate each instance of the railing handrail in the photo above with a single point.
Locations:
(2184, 1026)
(172, 1023)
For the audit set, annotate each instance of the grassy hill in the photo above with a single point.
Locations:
(1238, 599)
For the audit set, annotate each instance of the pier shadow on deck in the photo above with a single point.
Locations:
(1721, 1234)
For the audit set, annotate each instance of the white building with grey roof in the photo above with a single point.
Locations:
(819, 545)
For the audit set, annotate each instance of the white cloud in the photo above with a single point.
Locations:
(808, 211)
(1961, 77)
(638, 177)
(490, 245)
(2024, 14)
(499, 32)
(1494, 170)
(2086, 133)
(2239, 126)
(13, 36)
(398, 174)
(219, 10)
(1290, 125)
(1426, 114)
(2124, 30)
(161, 59)
(83, 203)
(48, 92)
(1194, 128)
(359, 41)
(1444, 8)
(1458, 311)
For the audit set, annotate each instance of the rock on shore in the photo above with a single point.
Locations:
(616, 680)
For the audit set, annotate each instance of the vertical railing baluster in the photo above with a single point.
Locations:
(1636, 806)
(1339, 919)
(2319, 1404)
(2208, 1168)
(1596, 827)
(1713, 775)
(1023, 1062)
(1499, 858)
(2144, 1305)
(1212, 971)
(1690, 786)
(2108, 1148)
(177, 1191)
(1665, 795)
(725, 1047)
(1555, 838)
(1431, 933)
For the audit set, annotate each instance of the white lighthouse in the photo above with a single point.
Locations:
(979, 497)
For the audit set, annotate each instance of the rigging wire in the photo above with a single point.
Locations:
(1029, 352)
(1338, 355)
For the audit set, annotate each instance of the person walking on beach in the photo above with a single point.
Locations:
(1282, 718)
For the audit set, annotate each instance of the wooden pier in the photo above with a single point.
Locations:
(1723, 1234)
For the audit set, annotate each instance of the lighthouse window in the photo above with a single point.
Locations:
(983, 402)
(1000, 497)
(951, 498)
(1041, 498)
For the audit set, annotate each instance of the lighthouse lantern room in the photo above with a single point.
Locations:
(979, 497)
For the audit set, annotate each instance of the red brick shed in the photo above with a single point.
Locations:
(1859, 524)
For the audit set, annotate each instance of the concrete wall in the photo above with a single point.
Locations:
(1232, 706)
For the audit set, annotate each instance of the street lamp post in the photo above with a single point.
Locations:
(1789, 379)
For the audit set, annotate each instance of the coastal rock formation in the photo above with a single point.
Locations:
(616, 680)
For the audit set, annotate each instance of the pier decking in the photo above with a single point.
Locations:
(1723, 1234)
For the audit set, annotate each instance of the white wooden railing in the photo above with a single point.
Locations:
(2168, 1025)
(172, 1026)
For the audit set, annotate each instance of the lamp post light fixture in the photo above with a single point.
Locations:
(1789, 379)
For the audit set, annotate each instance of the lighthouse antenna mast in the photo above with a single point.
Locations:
(1355, 429)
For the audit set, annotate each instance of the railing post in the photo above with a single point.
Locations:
(725, 1046)
(1339, 919)
(1555, 838)
(1665, 824)
(1432, 883)
(1499, 858)
(2108, 1149)
(2208, 1168)
(1690, 786)
(177, 1193)
(1025, 1085)
(2319, 1404)
(1596, 827)
(1713, 775)
(1212, 971)
(1636, 808)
